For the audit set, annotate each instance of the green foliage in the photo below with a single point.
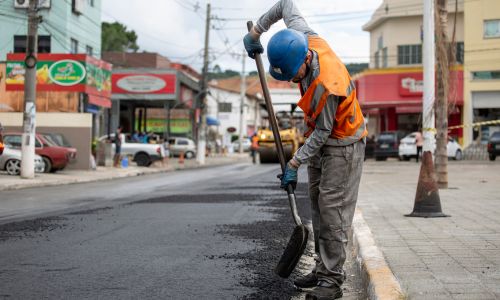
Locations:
(355, 68)
(217, 73)
(116, 37)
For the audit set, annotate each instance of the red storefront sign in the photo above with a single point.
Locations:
(62, 72)
(401, 88)
(144, 83)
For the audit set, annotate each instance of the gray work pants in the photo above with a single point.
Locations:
(334, 176)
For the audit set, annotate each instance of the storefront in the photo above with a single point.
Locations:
(67, 86)
(392, 99)
(156, 101)
(65, 83)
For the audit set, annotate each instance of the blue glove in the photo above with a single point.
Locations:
(289, 177)
(252, 46)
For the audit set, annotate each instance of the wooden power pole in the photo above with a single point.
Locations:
(202, 129)
(442, 72)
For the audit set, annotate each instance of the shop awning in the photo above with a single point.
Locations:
(211, 121)
(100, 101)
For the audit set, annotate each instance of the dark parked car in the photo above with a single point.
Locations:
(494, 145)
(370, 147)
(54, 157)
(387, 144)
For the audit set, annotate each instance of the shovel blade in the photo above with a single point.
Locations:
(293, 251)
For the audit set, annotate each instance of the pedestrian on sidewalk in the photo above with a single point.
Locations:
(2, 146)
(419, 142)
(335, 143)
(118, 147)
(254, 147)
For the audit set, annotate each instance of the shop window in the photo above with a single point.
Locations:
(491, 28)
(21, 40)
(409, 54)
(486, 75)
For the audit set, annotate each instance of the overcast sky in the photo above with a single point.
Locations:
(175, 28)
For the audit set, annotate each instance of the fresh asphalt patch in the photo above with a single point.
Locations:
(247, 251)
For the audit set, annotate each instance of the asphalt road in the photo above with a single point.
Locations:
(213, 233)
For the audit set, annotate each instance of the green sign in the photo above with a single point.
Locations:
(67, 72)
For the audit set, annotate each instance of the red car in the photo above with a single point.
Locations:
(55, 157)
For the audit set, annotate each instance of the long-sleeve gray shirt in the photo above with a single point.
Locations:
(288, 11)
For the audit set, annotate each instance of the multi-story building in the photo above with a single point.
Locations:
(390, 91)
(481, 68)
(68, 26)
(73, 84)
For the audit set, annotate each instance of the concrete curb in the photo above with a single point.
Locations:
(145, 171)
(378, 279)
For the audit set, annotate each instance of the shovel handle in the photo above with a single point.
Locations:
(275, 129)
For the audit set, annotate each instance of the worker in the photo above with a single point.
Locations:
(335, 138)
(254, 147)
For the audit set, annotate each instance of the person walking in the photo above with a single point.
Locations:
(419, 142)
(118, 147)
(335, 138)
(254, 146)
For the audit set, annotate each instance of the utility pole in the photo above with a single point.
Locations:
(243, 88)
(202, 129)
(441, 160)
(28, 136)
(427, 201)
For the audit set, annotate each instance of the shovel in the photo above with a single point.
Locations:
(297, 243)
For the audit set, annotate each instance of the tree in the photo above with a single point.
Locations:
(116, 37)
(441, 105)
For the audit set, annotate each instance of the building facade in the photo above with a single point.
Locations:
(481, 68)
(69, 26)
(390, 91)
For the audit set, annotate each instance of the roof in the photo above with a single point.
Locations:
(254, 89)
(396, 8)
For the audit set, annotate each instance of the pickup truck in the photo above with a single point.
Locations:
(142, 154)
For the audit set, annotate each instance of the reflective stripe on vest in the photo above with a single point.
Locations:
(333, 80)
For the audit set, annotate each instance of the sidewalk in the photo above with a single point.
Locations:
(439, 258)
(8, 182)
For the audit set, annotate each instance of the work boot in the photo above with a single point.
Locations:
(325, 291)
(308, 281)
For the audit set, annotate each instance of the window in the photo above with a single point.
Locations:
(380, 43)
(491, 29)
(13, 140)
(486, 75)
(182, 142)
(90, 3)
(460, 52)
(384, 58)
(74, 46)
(409, 54)
(225, 107)
(89, 50)
(377, 59)
(21, 40)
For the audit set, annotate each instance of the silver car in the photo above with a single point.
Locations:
(179, 145)
(10, 161)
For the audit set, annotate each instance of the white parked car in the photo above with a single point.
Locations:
(408, 148)
(246, 145)
(142, 154)
(178, 145)
(10, 161)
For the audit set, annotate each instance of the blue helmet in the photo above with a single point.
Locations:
(287, 51)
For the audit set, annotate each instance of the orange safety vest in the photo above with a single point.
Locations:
(349, 124)
(255, 142)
